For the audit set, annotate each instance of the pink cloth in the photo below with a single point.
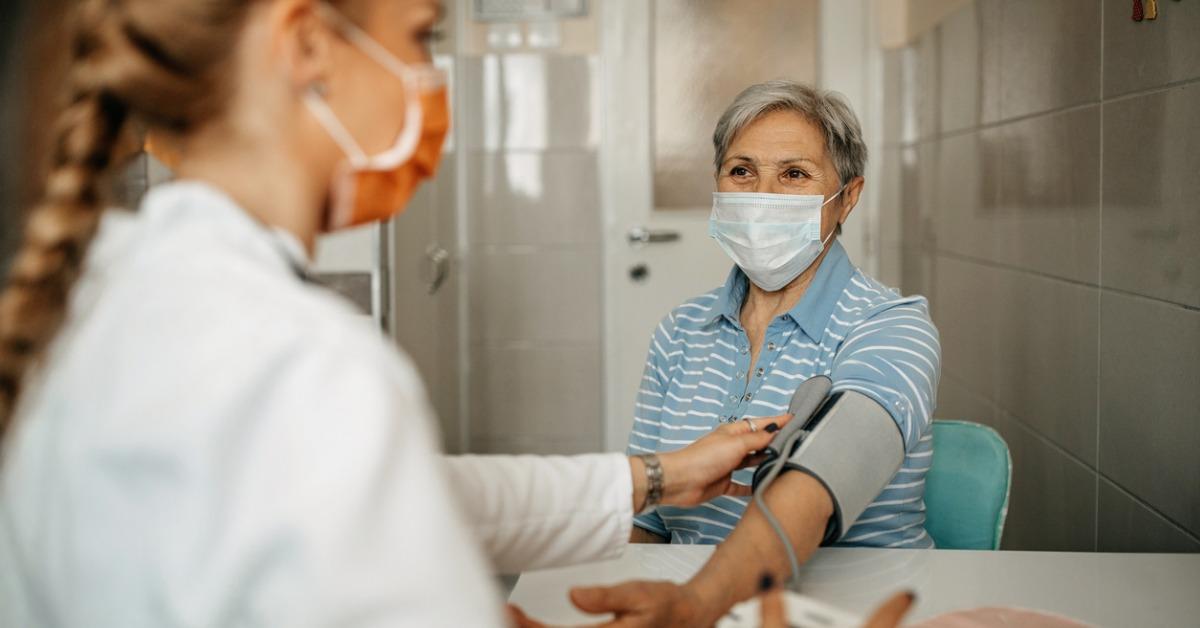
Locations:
(999, 618)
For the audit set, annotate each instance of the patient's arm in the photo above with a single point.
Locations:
(734, 572)
(642, 535)
(802, 506)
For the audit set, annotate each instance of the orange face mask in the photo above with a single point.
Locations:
(163, 148)
(376, 188)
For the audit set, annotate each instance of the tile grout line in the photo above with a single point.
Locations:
(1095, 471)
(995, 406)
(462, 244)
(1150, 91)
(941, 135)
(1049, 442)
(1099, 280)
(1056, 447)
(983, 126)
(1044, 275)
(1179, 527)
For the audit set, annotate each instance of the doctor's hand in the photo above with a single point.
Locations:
(703, 470)
(643, 604)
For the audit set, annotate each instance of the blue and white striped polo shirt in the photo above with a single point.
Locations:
(860, 333)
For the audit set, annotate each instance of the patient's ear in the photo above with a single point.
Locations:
(850, 198)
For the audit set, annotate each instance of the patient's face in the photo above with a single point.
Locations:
(781, 153)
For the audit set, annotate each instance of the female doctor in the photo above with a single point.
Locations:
(194, 434)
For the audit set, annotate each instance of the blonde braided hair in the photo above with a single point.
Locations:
(161, 62)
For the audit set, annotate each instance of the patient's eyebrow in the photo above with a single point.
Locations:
(787, 161)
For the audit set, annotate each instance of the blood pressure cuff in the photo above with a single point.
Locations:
(853, 447)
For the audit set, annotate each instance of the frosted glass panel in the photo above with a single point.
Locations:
(705, 52)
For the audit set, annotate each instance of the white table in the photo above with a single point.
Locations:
(1102, 589)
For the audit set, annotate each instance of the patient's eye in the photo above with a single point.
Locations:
(739, 171)
(795, 173)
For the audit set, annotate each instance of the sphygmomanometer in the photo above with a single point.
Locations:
(846, 440)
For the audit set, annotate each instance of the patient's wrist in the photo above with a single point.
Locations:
(712, 599)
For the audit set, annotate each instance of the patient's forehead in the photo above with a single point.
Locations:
(777, 136)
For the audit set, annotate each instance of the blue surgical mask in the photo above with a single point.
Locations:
(773, 238)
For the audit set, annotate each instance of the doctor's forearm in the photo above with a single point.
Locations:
(802, 506)
(637, 472)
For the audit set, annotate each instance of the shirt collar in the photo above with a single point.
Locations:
(813, 310)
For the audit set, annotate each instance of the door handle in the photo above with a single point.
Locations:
(642, 235)
(437, 267)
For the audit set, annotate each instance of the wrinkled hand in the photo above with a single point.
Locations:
(703, 470)
(641, 604)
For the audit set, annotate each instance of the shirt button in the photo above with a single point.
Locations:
(741, 374)
(899, 405)
(748, 396)
(759, 372)
(745, 350)
(733, 397)
(771, 346)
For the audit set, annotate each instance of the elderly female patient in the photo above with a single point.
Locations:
(789, 170)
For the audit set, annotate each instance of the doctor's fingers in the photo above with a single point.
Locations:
(735, 489)
(753, 460)
(761, 425)
(771, 612)
(639, 604)
(760, 437)
(889, 614)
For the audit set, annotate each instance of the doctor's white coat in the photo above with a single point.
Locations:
(213, 442)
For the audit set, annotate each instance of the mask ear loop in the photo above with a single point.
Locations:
(829, 238)
(410, 134)
(328, 119)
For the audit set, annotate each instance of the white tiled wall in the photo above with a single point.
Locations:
(530, 130)
(1041, 160)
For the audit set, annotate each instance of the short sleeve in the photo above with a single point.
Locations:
(894, 357)
(648, 408)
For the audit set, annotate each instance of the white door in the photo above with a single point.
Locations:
(643, 281)
(657, 258)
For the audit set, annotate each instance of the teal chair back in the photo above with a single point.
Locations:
(966, 488)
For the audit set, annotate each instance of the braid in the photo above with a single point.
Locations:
(161, 62)
(59, 229)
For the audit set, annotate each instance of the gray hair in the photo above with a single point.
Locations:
(827, 109)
